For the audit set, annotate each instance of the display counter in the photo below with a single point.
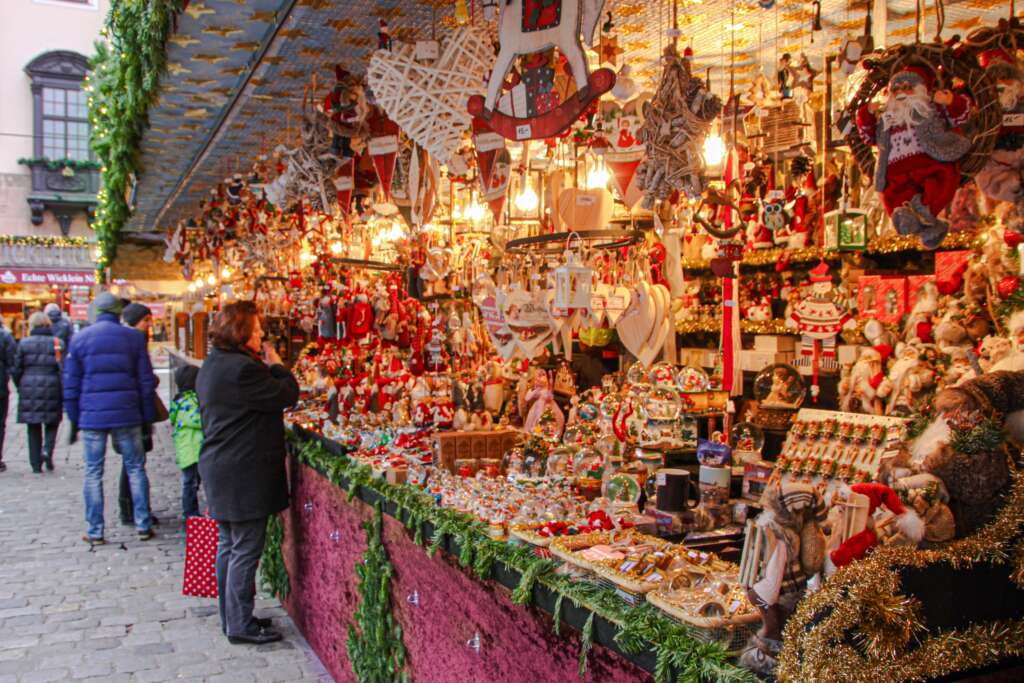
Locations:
(456, 625)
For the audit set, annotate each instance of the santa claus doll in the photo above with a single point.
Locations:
(1001, 177)
(919, 148)
(858, 392)
(819, 319)
(908, 526)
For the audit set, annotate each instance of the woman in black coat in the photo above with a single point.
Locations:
(243, 390)
(40, 393)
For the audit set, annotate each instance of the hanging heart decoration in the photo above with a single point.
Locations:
(527, 316)
(496, 325)
(427, 98)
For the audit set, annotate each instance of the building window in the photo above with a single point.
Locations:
(61, 113)
(65, 124)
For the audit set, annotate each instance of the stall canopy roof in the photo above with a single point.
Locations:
(237, 71)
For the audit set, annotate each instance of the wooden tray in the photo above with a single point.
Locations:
(567, 547)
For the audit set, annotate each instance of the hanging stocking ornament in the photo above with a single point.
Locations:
(383, 149)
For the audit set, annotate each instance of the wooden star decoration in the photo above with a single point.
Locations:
(608, 50)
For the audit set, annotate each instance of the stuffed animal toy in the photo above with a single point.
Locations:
(908, 526)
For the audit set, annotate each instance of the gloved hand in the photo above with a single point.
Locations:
(73, 434)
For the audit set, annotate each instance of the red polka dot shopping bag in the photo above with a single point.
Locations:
(200, 579)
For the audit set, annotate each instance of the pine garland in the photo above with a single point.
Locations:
(123, 83)
(273, 572)
(640, 628)
(60, 164)
(375, 646)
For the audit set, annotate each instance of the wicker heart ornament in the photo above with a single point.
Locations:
(427, 98)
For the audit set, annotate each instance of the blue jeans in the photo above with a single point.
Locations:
(129, 441)
(190, 491)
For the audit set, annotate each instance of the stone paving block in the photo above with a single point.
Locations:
(45, 676)
(102, 643)
(154, 649)
(61, 637)
(91, 669)
(234, 677)
(18, 642)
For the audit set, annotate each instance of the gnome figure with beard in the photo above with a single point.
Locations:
(1001, 178)
(918, 152)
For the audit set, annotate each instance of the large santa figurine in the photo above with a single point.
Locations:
(1001, 178)
(858, 393)
(918, 152)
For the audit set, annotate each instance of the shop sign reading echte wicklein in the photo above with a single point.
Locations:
(19, 276)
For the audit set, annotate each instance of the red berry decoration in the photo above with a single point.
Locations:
(1012, 238)
(1007, 286)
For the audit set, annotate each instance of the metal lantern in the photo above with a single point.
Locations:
(572, 283)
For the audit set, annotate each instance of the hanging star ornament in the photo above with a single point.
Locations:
(608, 50)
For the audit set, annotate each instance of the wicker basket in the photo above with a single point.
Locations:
(730, 633)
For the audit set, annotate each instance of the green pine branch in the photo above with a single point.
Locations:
(375, 646)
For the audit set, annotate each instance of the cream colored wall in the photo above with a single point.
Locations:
(28, 28)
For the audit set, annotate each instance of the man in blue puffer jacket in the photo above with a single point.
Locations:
(108, 389)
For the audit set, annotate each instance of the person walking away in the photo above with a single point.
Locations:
(61, 326)
(8, 351)
(138, 317)
(108, 391)
(36, 373)
(187, 429)
(243, 390)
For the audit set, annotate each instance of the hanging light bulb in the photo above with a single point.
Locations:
(475, 211)
(597, 176)
(396, 232)
(211, 279)
(714, 149)
(191, 286)
(336, 247)
(225, 272)
(527, 199)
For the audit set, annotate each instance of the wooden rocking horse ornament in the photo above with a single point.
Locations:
(531, 26)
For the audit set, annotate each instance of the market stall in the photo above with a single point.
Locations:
(626, 351)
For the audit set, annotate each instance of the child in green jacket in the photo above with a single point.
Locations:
(187, 426)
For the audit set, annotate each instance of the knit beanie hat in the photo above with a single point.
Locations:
(133, 313)
(107, 303)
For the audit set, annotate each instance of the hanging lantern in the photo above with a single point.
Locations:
(846, 230)
(572, 283)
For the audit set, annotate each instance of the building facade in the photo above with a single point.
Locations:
(48, 175)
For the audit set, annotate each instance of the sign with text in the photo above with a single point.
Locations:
(24, 276)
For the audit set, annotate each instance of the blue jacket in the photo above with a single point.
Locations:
(108, 379)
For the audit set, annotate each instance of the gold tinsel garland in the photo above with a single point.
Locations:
(892, 243)
(43, 241)
(862, 600)
(746, 326)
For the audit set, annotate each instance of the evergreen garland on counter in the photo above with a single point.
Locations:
(375, 647)
(680, 655)
(273, 572)
(123, 83)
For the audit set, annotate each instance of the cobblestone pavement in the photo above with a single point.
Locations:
(115, 613)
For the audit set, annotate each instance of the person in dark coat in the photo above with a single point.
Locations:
(37, 376)
(138, 317)
(8, 351)
(243, 390)
(108, 391)
(61, 326)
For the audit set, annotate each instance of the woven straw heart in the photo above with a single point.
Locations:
(428, 99)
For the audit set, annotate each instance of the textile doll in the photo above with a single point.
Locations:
(1001, 178)
(793, 513)
(918, 151)
(858, 392)
(909, 526)
(976, 481)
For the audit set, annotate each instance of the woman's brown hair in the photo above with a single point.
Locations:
(233, 325)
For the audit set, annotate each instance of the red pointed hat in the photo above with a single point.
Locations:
(820, 273)
(999, 64)
(914, 75)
